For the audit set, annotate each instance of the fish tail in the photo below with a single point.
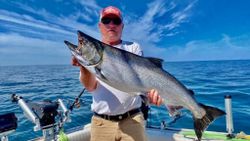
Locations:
(201, 124)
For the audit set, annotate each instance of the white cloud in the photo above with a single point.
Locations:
(14, 42)
(180, 16)
(32, 37)
(148, 29)
(68, 24)
(155, 9)
(29, 21)
(16, 49)
(148, 32)
(88, 6)
(223, 49)
(143, 29)
(90, 3)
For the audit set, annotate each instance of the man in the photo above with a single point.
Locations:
(117, 115)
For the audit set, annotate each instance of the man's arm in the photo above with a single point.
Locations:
(87, 79)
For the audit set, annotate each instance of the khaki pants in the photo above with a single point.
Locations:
(130, 129)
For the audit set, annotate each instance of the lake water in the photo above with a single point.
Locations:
(210, 80)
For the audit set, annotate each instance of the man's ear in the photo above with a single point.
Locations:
(99, 25)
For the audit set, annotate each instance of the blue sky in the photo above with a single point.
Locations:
(32, 31)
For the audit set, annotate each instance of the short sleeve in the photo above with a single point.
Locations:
(137, 49)
(99, 89)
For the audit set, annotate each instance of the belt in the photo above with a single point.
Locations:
(119, 117)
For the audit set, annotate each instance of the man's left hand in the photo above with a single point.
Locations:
(154, 97)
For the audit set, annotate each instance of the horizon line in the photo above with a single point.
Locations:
(182, 61)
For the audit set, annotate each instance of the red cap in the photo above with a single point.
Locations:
(111, 10)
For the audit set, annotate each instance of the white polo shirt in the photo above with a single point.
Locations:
(110, 101)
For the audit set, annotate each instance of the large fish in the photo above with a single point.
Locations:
(136, 74)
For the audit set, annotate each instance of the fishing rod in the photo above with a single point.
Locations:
(77, 101)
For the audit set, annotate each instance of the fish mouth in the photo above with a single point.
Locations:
(74, 48)
(71, 46)
(76, 52)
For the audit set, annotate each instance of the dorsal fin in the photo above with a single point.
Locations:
(157, 61)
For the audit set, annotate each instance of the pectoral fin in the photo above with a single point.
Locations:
(100, 74)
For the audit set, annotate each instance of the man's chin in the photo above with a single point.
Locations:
(113, 36)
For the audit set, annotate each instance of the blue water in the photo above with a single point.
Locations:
(210, 80)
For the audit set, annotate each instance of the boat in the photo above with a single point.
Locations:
(154, 134)
(43, 114)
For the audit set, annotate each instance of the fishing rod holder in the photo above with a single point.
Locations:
(8, 124)
(45, 115)
(27, 111)
(229, 116)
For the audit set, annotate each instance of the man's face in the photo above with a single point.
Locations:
(110, 29)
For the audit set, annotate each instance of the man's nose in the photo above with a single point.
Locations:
(111, 24)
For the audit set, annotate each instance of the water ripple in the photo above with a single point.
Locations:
(209, 80)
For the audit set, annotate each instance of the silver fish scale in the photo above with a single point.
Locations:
(132, 74)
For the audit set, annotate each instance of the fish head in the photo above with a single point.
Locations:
(88, 52)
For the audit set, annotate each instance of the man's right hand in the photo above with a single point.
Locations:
(87, 79)
(74, 62)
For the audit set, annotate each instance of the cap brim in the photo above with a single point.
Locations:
(111, 15)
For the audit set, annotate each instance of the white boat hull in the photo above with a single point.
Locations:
(153, 134)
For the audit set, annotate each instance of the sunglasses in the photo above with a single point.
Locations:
(116, 21)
